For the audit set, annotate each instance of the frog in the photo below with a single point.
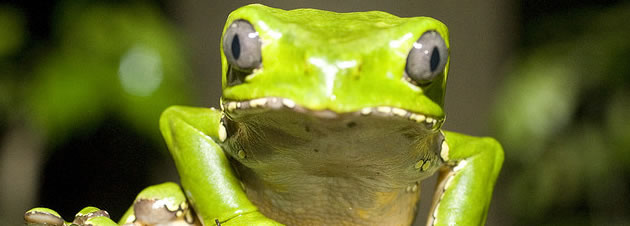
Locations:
(326, 118)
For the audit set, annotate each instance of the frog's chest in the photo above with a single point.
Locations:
(329, 168)
(378, 152)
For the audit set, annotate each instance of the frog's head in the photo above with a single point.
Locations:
(331, 63)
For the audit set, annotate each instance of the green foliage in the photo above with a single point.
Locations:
(11, 36)
(107, 59)
(11, 31)
(562, 117)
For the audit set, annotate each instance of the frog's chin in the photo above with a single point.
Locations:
(237, 109)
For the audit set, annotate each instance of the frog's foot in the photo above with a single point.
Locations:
(163, 204)
(87, 216)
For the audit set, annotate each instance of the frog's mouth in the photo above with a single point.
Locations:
(236, 109)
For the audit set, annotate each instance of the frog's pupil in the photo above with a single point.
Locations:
(236, 47)
(435, 59)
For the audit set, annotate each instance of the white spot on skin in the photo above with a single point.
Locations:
(231, 106)
(418, 118)
(431, 122)
(384, 109)
(258, 102)
(366, 111)
(222, 133)
(444, 151)
(184, 205)
(188, 217)
(399, 112)
(288, 103)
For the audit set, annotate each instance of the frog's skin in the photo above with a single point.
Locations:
(322, 123)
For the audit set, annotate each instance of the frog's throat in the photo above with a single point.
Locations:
(235, 108)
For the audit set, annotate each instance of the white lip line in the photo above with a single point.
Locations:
(279, 102)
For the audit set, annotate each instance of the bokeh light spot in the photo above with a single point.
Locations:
(140, 70)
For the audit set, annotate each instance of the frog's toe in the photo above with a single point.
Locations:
(43, 216)
(92, 216)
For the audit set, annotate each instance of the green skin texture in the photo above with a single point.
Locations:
(379, 43)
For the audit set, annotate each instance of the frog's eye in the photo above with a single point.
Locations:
(426, 59)
(241, 45)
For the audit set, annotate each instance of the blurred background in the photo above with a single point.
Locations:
(82, 84)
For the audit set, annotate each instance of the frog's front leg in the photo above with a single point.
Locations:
(465, 184)
(205, 172)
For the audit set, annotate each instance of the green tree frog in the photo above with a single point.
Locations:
(326, 119)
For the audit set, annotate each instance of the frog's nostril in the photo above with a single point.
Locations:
(351, 124)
